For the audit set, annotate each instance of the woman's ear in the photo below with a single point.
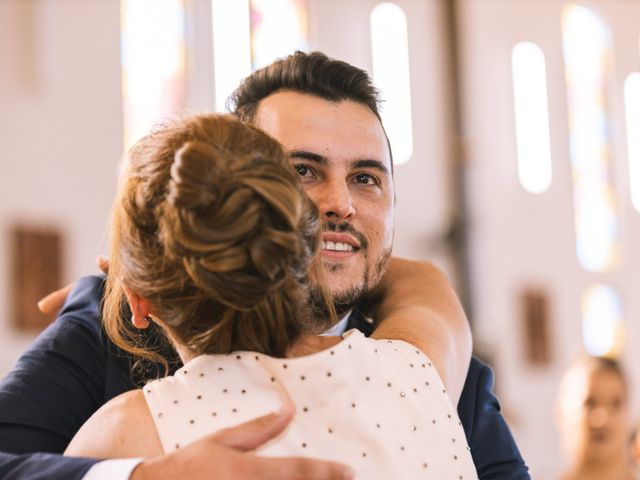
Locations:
(140, 309)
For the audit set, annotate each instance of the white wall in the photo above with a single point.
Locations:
(522, 240)
(60, 130)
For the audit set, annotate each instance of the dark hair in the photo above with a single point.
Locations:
(590, 364)
(313, 73)
(213, 228)
(606, 364)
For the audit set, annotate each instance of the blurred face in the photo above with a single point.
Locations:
(340, 151)
(595, 417)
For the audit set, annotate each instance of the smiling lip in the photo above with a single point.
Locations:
(339, 246)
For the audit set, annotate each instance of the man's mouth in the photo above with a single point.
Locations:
(337, 247)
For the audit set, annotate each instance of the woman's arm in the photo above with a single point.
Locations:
(417, 304)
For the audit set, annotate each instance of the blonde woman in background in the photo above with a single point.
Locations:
(593, 418)
(213, 246)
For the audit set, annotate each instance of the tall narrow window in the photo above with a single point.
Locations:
(586, 46)
(278, 28)
(602, 327)
(632, 107)
(390, 50)
(532, 117)
(231, 47)
(153, 63)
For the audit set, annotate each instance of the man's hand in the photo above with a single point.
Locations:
(228, 454)
(53, 302)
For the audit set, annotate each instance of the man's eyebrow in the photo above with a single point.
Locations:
(312, 157)
(322, 160)
(378, 165)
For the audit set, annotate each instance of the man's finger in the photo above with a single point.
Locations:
(250, 435)
(103, 263)
(54, 301)
(302, 469)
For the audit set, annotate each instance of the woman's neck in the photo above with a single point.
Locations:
(309, 343)
(615, 469)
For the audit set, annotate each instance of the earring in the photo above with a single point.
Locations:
(141, 324)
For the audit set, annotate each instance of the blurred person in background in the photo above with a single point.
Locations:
(593, 418)
(635, 448)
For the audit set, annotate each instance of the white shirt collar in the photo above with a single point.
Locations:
(340, 327)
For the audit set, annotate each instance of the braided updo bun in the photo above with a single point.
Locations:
(212, 227)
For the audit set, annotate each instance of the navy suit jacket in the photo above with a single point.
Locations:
(72, 369)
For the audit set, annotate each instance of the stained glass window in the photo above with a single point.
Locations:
(532, 117)
(278, 28)
(587, 52)
(153, 63)
(249, 34)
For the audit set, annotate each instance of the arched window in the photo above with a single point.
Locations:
(390, 57)
(602, 327)
(532, 117)
(153, 64)
(231, 47)
(632, 109)
(587, 51)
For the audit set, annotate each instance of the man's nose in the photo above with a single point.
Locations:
(335, 202)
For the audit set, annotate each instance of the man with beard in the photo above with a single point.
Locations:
(325, 113)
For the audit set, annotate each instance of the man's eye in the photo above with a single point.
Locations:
(302, 170)
(366, 179)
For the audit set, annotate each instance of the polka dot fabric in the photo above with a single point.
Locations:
(377, 405)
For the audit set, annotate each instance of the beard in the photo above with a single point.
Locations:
(348, 299)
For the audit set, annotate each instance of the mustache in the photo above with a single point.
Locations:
(346, 227)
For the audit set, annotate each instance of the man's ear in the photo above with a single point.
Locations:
(140, 308)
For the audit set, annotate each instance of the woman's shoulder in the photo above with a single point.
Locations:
(121, 428)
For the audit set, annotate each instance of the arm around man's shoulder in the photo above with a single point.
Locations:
(493, 449)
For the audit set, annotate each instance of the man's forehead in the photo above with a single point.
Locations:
(301, 108)
(347, 131)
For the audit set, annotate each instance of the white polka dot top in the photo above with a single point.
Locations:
(376, 405)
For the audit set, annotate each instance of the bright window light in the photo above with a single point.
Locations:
(153, 64)
(532, 117)
(390, 57)
(231, 47)
(632, 107)
(278, 28)
(602, 326)
(587, 58)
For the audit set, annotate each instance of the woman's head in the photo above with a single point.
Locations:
(212, 229)
(592, 410)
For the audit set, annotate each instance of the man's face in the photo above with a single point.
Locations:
(340, 151)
